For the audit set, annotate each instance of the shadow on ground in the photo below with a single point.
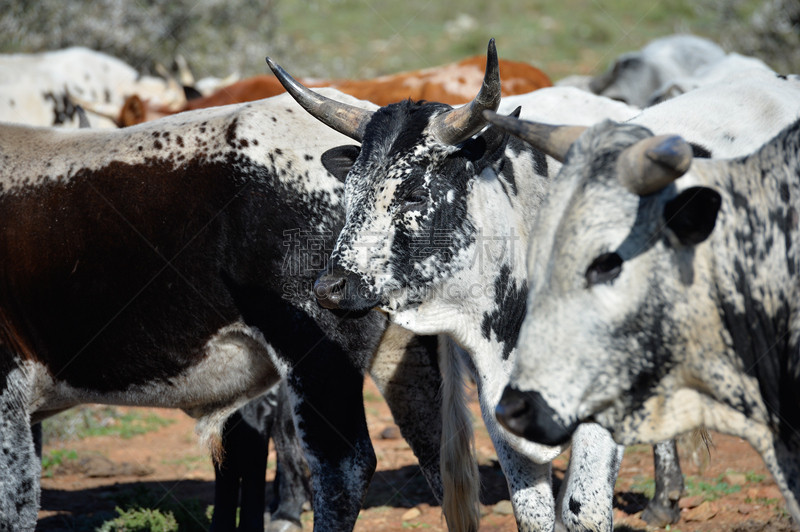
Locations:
(87, 509)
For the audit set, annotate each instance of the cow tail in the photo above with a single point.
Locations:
(458, 461)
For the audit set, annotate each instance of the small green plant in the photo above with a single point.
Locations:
(55, 458)
(408, 524)
(751, 476)
(763, 501)
(190, 514)
(140, 520)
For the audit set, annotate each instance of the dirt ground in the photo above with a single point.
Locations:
(730, 491)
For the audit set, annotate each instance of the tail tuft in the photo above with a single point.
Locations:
(459, 464)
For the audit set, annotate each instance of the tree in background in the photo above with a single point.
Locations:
(771, 33)
(216, 37)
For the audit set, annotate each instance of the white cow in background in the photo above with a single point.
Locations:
(634, 76)
(42, 89)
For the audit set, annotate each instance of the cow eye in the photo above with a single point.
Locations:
(604, 268)
(414, 201)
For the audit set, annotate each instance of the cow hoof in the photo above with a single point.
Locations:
(660, 516)
(281, 525)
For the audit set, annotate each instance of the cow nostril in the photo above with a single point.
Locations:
(337, 288)
(528, 415)
(510, 410)
(330, 291)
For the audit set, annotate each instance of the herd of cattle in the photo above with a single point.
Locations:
(600, 285)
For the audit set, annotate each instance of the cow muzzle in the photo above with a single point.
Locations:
(526, 414)
(342, 290)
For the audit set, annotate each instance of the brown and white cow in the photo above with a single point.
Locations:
(171, 264)
(454, 84)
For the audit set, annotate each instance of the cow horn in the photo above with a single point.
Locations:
(552, 140)
(346, 119)
(106, 110)
(456, 126)
(653, 163)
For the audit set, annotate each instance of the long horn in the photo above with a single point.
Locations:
(552, 140)
(456, 126)
(653, 163)
(346, 119)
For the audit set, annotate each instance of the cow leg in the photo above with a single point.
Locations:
(20, 469)
(783, 461)
(36, 432)
(587, 493)
(530, 486)
(406, 371)
(328, 406)
(258, 417)
(663, 509)
(291, 480)
(529, 483)
(226, 478)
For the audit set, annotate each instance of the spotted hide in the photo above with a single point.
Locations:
(660, 303)
(765, 103)
(171, 264)
(435, 236)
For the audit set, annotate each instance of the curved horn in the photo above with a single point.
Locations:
(652, 164)
(552, 140)
(346, 119)
(106, 110)
(456, 126)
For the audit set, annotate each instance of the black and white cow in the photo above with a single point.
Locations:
(435, 232)
(171, 264)
(667, 301)
(417, 181)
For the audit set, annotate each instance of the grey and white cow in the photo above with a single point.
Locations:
(434, 236)
(635, 76)
(764, 103)
(660, 303)
(166, 265)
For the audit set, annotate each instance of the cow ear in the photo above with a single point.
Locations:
(339, 160)
(691, 215)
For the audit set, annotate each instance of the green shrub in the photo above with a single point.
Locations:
(54, 459)
(140, 520)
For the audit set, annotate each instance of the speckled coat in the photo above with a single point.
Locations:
(684, 333)
(152, 266)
